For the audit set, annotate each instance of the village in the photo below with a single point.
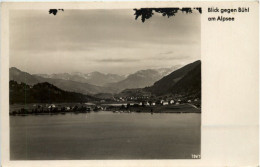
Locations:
(116, 105)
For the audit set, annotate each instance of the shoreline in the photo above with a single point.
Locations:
(181, 108)
(22, 115)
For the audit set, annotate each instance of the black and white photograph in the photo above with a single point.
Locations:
(105, 84)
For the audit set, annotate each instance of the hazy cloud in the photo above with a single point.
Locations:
(166, 57)
(118, 60)
(101, 40)
(166, 53)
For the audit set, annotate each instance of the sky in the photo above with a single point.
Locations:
(108, 41)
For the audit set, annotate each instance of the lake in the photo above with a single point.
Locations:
(105, 135)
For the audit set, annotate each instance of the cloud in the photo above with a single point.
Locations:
(167, 57)
(166, 53)
(118, 60)
(100, 40)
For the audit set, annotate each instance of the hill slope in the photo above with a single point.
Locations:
(20, 76)
(186, 80)
(190, 84)
(42, 93)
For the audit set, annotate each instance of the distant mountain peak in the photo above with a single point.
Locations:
(14, 68)
(97, 72)
(142, 78)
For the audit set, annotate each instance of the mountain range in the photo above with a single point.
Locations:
(95, 82)
(142, 78)
(94, 78)
(67, 85)
(184, 81)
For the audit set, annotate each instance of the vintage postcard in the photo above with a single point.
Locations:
(129, 84)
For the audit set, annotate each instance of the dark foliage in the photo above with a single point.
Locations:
(147, 13)
(54, 11)
(199, 9)
(42, 93)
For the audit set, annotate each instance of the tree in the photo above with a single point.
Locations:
(147, 13)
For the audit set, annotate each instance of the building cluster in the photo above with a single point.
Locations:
(159, 102)
(141, 101)
(130, 98)
(155, 101)
(54, 109)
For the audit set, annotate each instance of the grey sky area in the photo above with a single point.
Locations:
(109, 41)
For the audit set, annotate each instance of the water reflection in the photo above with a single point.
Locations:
(105, 135)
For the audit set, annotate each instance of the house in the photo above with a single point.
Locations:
(52, 106)
(165, 103)
(189, 101)
(171, 101)
(153, 104)
(177, 103)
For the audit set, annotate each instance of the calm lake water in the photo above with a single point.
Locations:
(105, 135)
